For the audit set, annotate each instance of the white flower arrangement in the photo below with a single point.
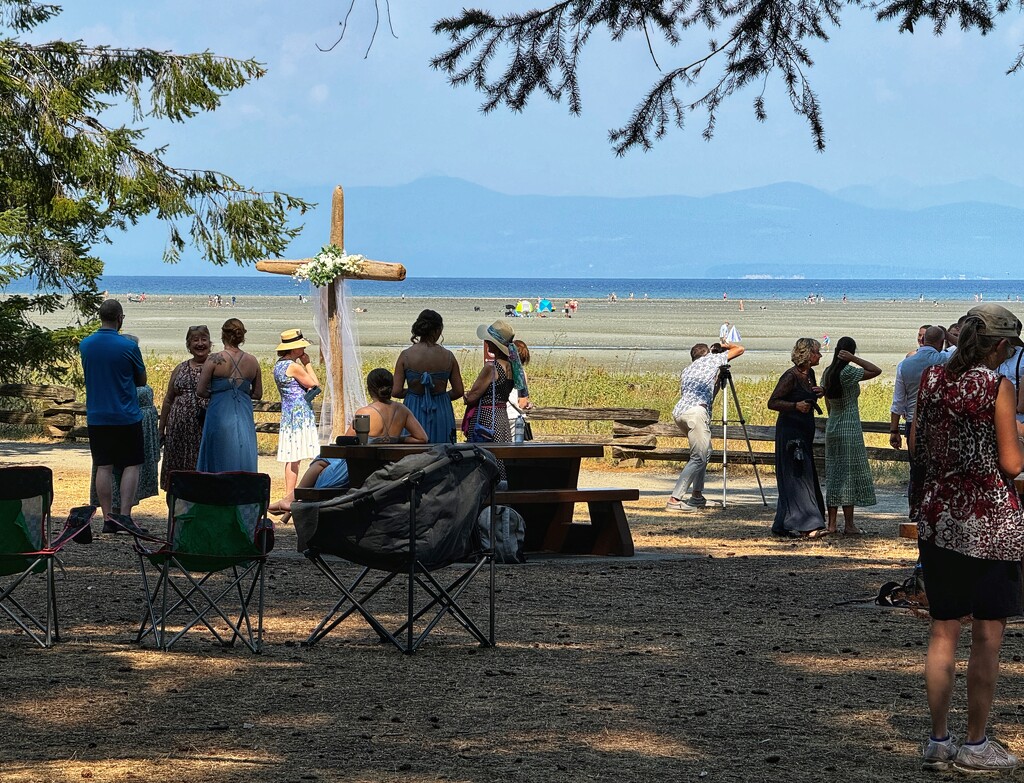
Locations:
(327, 265)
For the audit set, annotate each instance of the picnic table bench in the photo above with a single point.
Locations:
(543, 488)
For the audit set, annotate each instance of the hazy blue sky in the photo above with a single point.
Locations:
(914, 107)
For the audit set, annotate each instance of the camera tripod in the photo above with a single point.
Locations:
(725, 379)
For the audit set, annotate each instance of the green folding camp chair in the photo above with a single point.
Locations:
(27, 546)
(210, 567)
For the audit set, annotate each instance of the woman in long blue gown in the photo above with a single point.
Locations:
(423, 374)
(232, 380)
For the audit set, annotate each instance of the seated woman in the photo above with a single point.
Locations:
(387, 421)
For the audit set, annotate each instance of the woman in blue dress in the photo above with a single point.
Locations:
(427, 376)
(231, 380)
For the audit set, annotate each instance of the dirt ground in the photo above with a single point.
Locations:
(718, 653)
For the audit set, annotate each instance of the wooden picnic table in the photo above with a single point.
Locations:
(543, 487)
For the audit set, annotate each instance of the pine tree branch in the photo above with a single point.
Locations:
(767, 39)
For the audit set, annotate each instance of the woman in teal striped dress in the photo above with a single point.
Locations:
(848, 481)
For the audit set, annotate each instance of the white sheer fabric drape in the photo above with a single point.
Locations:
(354, 396)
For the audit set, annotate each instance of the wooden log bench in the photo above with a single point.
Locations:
(737, 452)
(56, 420)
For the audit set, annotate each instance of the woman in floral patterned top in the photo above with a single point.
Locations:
(966, 451)
(297, 437)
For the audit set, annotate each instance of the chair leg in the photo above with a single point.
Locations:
(42, 633)
(52, 630)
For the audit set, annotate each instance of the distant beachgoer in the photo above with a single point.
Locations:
(741, 305)
(825, 342)
(723, 331)
(848, 481)
(801, 508)
(725, 295)
(428, 377)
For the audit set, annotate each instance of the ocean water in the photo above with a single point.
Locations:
(560, 289)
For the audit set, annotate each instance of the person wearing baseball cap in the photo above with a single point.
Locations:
(970, 527)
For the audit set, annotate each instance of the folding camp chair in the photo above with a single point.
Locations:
(210, 565)
(409, 520)
(26, 545)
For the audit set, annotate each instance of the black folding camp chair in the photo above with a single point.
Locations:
(210, 565)
(27, 546)
(408, 521)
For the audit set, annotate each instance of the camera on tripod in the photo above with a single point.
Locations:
(724, 375)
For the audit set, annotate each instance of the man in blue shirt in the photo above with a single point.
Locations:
(908, 379)
(692, 414)
(113, 368)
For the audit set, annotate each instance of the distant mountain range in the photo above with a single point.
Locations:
(448, 227)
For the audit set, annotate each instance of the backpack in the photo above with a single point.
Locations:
(509, 533)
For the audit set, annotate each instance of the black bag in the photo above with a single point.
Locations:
(481, 433)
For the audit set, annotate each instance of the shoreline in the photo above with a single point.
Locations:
(653, 335)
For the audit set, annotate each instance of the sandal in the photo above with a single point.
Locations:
(819, 533)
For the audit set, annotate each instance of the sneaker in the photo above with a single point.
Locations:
(989, 756)
(685, 505)
(939, 755)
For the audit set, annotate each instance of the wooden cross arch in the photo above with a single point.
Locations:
(371, 270)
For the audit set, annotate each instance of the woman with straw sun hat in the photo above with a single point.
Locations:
(295, 379)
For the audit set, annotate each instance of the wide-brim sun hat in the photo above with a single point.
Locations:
(499, 334)
(292, 339)
(997, 321)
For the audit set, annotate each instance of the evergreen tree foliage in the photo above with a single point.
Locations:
(69, 176)
(751, 41)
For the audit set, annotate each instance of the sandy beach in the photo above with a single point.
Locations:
(651, 335)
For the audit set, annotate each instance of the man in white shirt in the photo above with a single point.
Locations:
(692, 414)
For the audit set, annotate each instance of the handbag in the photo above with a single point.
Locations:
(481, 433)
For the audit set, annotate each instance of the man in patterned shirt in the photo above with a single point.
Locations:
(692, 414)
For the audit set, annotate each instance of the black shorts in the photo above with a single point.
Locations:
(120, 445)
(958, 585)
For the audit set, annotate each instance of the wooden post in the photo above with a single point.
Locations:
(371, 270)
(337, 368)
